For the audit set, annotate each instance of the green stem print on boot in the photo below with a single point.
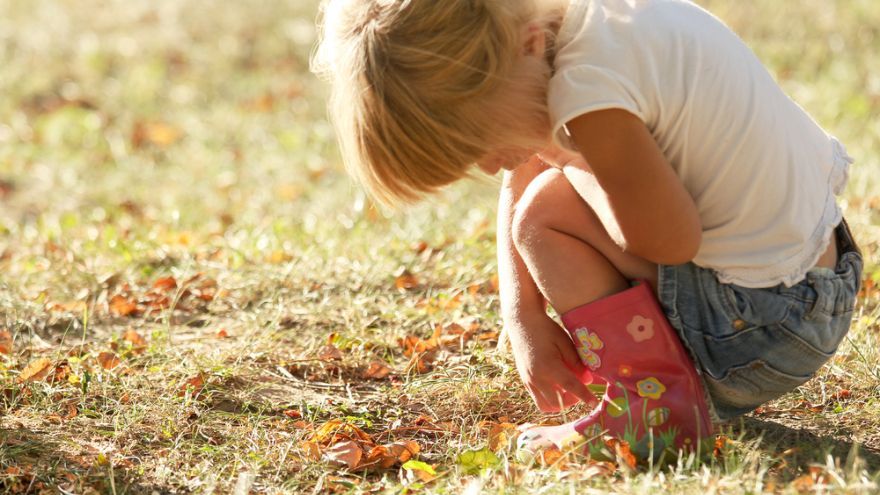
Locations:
(653, 399)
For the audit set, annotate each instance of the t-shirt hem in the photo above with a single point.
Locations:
(796, 267)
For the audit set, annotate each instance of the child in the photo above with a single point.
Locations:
(642, 140)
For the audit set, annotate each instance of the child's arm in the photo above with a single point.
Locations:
(545, 357)
(657, 217)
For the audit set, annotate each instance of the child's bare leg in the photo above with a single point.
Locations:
(567, 250)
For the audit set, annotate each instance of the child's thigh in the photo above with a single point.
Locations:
(552, 202)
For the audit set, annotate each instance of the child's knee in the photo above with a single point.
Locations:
(546, 197)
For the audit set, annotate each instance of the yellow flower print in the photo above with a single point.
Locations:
(625, 370)
(651, 387)
(587, 342)
(641, 328)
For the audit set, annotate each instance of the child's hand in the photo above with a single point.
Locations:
(548, 363)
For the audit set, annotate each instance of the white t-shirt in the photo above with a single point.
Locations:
(762, 173)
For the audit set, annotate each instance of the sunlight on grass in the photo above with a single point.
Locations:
(180, 244)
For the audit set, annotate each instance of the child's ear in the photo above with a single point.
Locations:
(535, 41)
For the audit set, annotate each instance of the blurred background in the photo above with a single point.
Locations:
(145, 142)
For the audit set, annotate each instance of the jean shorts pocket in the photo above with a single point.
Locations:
(746, 387)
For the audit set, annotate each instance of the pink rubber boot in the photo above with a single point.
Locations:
(654, 399)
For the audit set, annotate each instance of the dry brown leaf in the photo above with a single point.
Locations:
(406, 281)
(376, 371)
(310, 450)
(5, 342)
(346, 454)
(137, 341)
(35, 370)
(501, 435)
(108, 360)
(404, 450)
(122, 306)
(337, 430)
(329, 353)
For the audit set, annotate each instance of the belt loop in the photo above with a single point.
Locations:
(820, 287)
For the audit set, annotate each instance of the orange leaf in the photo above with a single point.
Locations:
(311, 450)
(136, 339)
(376, 371)
(293, 413)
(406, 281)
(35, 370)
(5, 342)
(194, 383)
(621, 451)
(165, 284)
(222, 333)
(59, 372)
(108, 360)
(501, 435)
(122, 306)
(345, 454)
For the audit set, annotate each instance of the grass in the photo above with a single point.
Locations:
(145, 142)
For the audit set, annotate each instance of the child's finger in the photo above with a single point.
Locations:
(574, 386)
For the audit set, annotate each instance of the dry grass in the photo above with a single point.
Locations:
(147, 140)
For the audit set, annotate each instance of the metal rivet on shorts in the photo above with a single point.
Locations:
(739, 324)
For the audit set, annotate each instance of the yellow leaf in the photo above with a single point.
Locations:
(35, 370)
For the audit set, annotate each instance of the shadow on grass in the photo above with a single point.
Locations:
(802, 447)
(33, 462)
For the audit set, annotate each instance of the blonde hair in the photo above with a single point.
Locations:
(422, 89)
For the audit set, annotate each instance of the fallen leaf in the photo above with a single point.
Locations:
(501, 436)
(621, 451)
(108, 360)
(122, 306)
(166, 284)
(5, 342)
(35, 370)
(310, 450)
(60, 372)
(418, 470)
(293, 413)
(195, 384)
(551, 456)
(337, 430)
(721, 443)
(222, 333)
(344, 454)
(329, 353)
(137, 341)
(475, 461)
(376, 371)
(406, 281)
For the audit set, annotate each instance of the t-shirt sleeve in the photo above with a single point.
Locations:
(581, 89)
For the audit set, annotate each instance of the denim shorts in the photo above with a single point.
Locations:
(753, 345)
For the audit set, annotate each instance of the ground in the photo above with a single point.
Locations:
(195, 298)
